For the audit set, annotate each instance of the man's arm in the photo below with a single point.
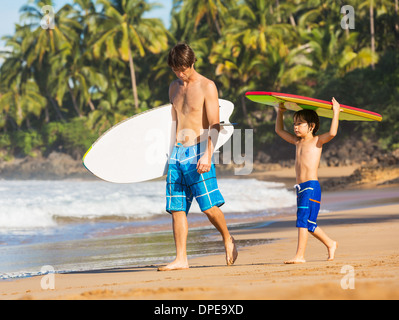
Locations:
(328, 136)
(172, 89)
(212, 111)
(279, 128)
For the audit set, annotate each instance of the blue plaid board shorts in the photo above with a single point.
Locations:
(183, 182)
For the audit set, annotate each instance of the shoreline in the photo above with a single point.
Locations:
(59, 166)
(367, 239)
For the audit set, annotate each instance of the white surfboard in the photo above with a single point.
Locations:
(138, 149)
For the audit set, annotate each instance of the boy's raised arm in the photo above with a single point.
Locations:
(328, 136)
(279, 128)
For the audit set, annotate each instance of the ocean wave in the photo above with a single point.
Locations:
(42, 204)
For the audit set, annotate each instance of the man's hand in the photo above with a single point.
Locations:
(204, 163)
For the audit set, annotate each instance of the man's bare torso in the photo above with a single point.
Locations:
(188, 100)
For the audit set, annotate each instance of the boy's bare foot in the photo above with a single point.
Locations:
(295, 261)
(231, 252)
(175, 265)
(331, 251)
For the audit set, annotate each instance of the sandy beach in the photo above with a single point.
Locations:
(368, 243)
(366, 265)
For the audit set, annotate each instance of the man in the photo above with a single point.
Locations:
(191, 172)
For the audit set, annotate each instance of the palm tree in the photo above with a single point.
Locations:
(289, 9)
(386, 6)
(22, 96)
(258, 29)
(44, 46)
(77, 72)
(52, 41)
(124, 31)
(253, 45)
(210, 10)
(21, 100)
(238, 70)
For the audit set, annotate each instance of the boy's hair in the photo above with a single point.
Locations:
(310, 116)
(181, 56)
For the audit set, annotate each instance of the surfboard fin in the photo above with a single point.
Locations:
(227, 124)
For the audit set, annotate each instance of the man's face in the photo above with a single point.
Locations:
(184, 73)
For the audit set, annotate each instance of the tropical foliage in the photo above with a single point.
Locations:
(105, 61)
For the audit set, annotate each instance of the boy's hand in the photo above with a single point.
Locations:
(281, 108)
(335, 105)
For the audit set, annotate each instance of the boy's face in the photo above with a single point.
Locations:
(302, 128)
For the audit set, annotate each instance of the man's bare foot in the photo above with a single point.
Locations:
(175, 265)
(331, 251)
(231, 251)
(295, 261)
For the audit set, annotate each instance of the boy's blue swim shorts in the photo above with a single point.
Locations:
(184, 182)
(308, 202)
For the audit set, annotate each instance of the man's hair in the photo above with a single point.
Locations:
(310, 116)
(181, 56)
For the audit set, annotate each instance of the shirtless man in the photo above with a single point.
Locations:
(191, 172)
(308, 154)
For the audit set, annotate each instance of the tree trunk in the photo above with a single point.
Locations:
(292, 20)
(244, 111)
(217, 26)
(46, 115)
(91, 105)
(56, 108)
(133, 76)
(278, 11)
(396, 16)
(372, 34)
(28, 125)
(75, 105)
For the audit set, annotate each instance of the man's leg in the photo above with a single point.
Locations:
(216, 217)
(180, 232)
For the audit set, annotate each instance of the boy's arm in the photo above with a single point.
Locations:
(279, 128)
(328, 136)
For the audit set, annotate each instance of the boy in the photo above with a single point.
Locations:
(308, 154)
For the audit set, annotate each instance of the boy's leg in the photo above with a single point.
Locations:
(216, 217)
(300, 251)
(329, 243)
(180, 232)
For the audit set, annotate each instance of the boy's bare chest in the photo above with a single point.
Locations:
(308, 148)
